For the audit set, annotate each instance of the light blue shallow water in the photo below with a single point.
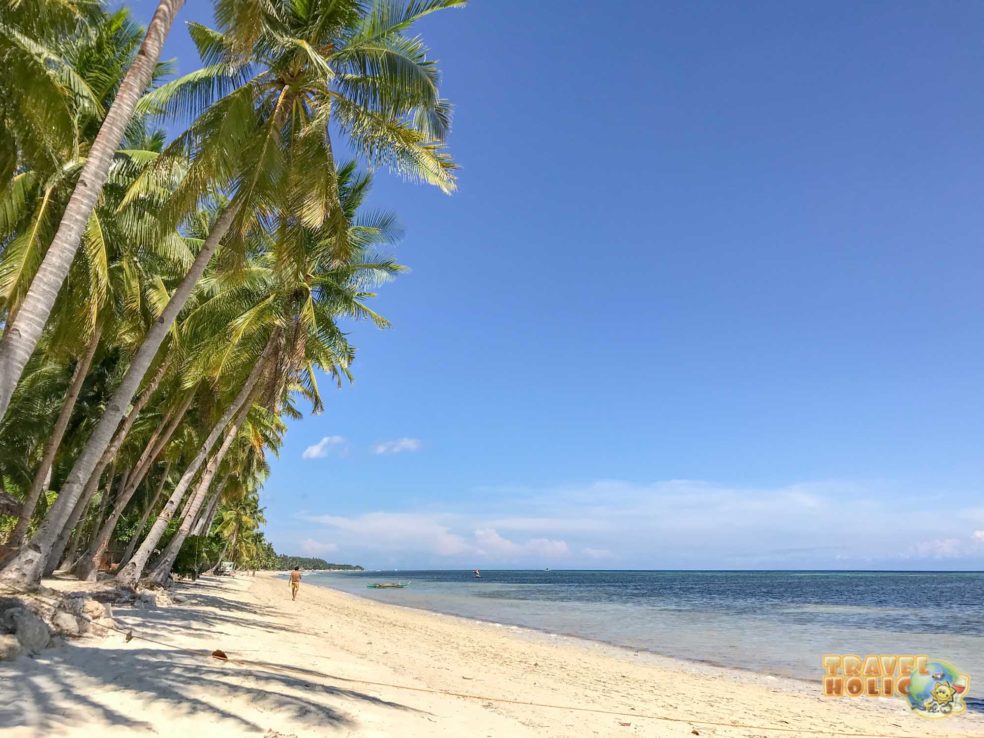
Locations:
(774, 622)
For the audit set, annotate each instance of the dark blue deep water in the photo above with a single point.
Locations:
(774, 622)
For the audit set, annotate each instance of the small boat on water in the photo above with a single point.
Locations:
(388, 585)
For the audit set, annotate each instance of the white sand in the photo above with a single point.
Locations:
(332, 664)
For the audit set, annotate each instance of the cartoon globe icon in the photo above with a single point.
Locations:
(940, 692)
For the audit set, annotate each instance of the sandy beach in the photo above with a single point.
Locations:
(331, 664)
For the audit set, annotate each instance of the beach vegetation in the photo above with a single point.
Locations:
(209, 274)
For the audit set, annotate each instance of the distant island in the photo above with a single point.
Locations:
(282, 562)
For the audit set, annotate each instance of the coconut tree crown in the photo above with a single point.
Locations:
(280, 80)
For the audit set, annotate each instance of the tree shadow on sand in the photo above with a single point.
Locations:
(200, 614)
(74, 684)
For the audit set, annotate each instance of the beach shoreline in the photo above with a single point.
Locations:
(573, 639)
(739, 620)
(334, 663)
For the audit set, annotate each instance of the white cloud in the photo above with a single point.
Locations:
(488, 543)
(397, 446)
(543, 524)
(316, 548)
(410, 534)
(395, 532)
(597, 553)
(321, 449)
(948, 548)
(668, 524)
(941, 548)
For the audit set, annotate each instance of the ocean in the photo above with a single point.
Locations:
(775, 622)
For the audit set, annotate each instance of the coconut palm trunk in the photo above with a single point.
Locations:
(151, 506)
(130, 574)
(26, 567)
(54, 556)
(104, 503)
(109, 454)
(154, 448)
(218, 561)
(67, 546)
(144, 462)
(21, 338)
(65, 535)
(82, 536)
(230, 543)
(162, 569)
(54, 441)
(204, 523)
(88, 566)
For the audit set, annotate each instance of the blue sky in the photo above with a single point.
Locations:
(709, 296)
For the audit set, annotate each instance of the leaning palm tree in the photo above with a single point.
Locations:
(299, 287)
(22, 335)
(242, 432)
(112, 271)
(149, 505)
(226, 427)
(175, 407)
(267, 142)
(43, 471)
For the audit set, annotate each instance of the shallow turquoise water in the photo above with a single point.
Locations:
(774, 622)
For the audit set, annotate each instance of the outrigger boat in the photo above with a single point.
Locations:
(388, 585)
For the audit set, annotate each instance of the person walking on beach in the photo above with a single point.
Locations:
(295, 582)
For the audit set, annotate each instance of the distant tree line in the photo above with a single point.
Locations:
(283, 562)
(200, 554)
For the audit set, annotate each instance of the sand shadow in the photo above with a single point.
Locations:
(75, 684)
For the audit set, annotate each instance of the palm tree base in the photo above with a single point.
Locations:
(161, 571)
(86, 570)
(156, 578)
(127, 577)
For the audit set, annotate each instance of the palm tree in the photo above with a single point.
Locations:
(113, 269)
(89, 563)
(162, 568)
(149, 507)
(230, 419)
(40, 94)
(242, 515)
(236, 524)
(268, 140)
(92, 485)
(301, 285)
(23, 332)
(43, 472)
(35, 200)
